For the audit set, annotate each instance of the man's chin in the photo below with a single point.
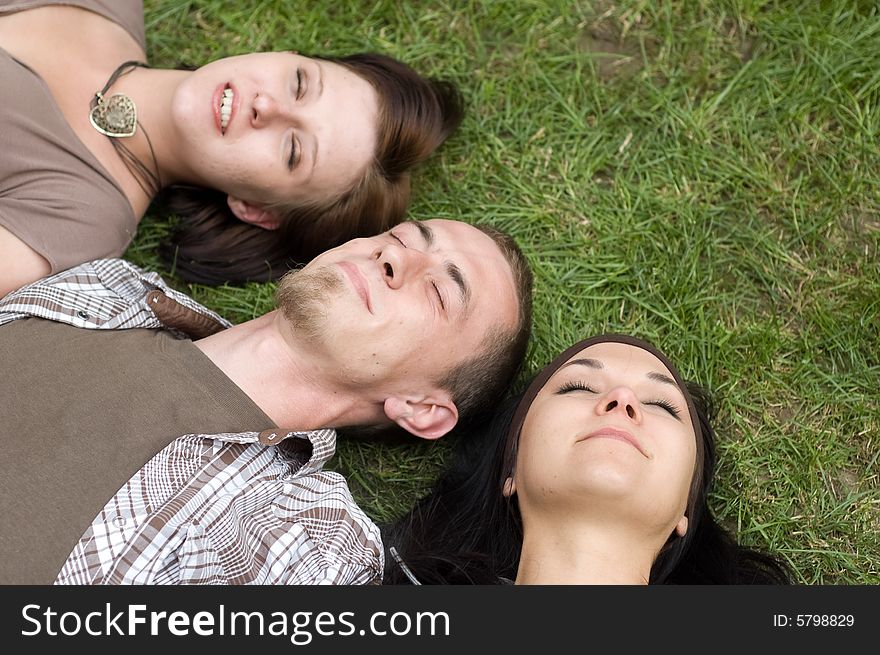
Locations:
(304, 297)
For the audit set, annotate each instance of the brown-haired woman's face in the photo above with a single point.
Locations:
(610, 428)
(275, 127)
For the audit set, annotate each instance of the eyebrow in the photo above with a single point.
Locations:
(426, 232)
(592, 363)
(595, 363)
(314, 159)
(452, 269)
(665, 379)
(315, 141)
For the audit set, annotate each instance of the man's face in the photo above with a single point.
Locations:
(400, 309)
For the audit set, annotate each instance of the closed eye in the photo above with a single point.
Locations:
(433, 284)
(669, 407)
(439, 296)
(291, 161)
(299, 84)
(576, 385)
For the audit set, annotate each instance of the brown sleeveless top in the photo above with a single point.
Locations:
(54, 194)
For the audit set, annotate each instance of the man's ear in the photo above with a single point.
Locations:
(248, 213)
(429, 417)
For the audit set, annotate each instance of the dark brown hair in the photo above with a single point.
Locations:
(211, 246)
(466, 531)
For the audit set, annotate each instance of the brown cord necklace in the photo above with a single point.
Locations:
(115, 116)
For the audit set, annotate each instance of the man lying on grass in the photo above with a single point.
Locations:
(422, 326)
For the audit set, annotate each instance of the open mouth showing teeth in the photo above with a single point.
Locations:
(226, 108)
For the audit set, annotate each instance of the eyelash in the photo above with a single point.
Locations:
(580, 386)
(575, 386)
(668, 406)
(433, 284)
(299, 83)
(291, 161)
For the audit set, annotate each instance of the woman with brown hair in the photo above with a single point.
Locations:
(268, 158)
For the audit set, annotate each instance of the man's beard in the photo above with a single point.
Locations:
(302, 297)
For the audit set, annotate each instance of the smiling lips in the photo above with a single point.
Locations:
(358, 282)
(224, 106)
(609, 432)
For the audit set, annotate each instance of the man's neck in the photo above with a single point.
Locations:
(288, 383)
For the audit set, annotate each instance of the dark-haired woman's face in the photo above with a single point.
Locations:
(276, 127)
(610, 432)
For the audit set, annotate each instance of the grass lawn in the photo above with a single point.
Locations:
(702, 174)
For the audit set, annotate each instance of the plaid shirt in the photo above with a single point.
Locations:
(248, 508)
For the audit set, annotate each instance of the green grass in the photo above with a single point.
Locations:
(703, 174)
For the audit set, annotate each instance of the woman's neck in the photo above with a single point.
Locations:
(584, 552)
(152, 90)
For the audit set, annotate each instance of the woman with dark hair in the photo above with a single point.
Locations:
(599, 473)
(268, 158)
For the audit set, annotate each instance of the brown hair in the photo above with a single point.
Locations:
(211, 246)
(479, 382)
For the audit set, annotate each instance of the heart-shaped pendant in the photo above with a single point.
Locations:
(114, 116)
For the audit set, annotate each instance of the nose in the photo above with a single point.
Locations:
(265, 109)
(621, 400)
(399, 264)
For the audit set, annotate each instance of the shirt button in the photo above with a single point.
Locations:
(270, 437)
(118, 522)
(82, 314)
